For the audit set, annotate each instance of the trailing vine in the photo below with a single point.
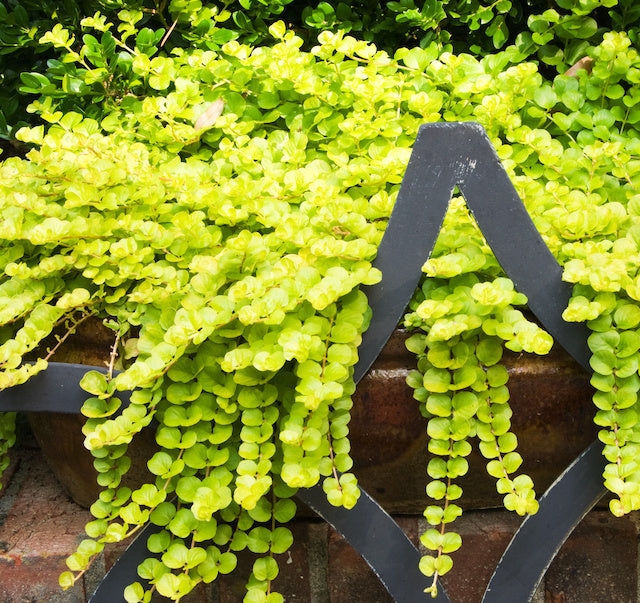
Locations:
(462, 391)
(219, 209)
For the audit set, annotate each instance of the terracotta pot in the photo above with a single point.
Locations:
(552, 417)
(60, 435)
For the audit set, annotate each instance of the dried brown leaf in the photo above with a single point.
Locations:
(210, 116)
(585, 63)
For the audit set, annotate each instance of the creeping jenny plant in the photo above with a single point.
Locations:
(227, 258)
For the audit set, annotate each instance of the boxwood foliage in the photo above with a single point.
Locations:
(219, 205)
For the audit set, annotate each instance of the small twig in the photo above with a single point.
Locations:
(333, 465)
(166, 36)
(113, 354)
(66, 335)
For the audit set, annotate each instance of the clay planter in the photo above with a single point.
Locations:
(60, 435)
(552, 417)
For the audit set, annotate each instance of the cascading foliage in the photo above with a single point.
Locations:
(220, 215)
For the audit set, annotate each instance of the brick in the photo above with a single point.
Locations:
(597, 563)
(113, 552)
(388, 433)
(42, 526)
(42, 519)
(318, 562)
(35, 580)
(485, 535)
(293, 580)
(232, 587)
(39, 531)
(9, 472)
(350, 578)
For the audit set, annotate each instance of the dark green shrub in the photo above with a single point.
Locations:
(558, 37)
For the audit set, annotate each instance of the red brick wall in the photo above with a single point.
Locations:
(40, 525)
(550, 396)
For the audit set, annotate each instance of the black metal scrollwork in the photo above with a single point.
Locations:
(444, 156)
